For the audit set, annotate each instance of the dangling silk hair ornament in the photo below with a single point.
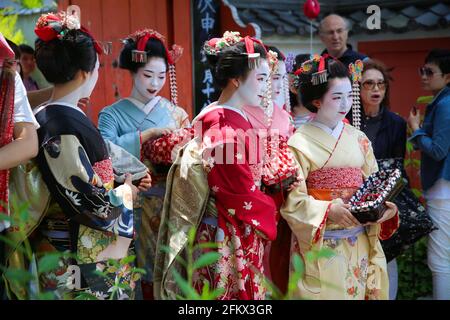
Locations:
(355, 71)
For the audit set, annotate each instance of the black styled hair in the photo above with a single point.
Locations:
(441, 58)
(24, 48)
(309, 92)
(60, 59)
(232, 62)
(298, 60)
(280, 55)
(154, 48)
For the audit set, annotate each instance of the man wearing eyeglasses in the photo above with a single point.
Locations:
(333, 32)
(433, 140)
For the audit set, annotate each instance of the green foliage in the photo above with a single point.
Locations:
(8, 27)
(414, 276)
(196, 260)
(31, 4)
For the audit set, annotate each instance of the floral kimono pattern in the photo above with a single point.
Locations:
(121, 123)
(242, 218)
(329, 175)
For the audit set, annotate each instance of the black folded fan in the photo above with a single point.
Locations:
(368, 204)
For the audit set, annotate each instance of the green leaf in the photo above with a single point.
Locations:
(206, 245)
(424, 99)
(49, 262)
(46, 296)
(206, 260)
(325, 253)
(12, 244)
(85, 296)
(18, 276)
(416, 192)
(185, 287)
(139, 270)
(191, 235)
(127, 260)
(297, 262)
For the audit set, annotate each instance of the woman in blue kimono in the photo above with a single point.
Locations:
(137, 120)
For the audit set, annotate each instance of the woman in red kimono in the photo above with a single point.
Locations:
(242, 218)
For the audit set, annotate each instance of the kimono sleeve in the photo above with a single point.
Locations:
(237, 197)
(109, 129)
(305, 215)
(84, 191)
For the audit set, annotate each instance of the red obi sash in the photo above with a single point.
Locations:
(332, 183)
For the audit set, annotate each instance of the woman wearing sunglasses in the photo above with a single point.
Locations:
(432, 138)
(385, 129)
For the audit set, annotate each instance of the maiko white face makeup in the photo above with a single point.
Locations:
(150, 79)
(278, 80)
(254, 88)
(336, 103)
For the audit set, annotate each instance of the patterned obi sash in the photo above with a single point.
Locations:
(332, 183)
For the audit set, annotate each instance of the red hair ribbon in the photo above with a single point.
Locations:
(142, 43)
(45, 29)
(250, 46)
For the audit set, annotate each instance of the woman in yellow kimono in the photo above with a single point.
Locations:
(334, 158)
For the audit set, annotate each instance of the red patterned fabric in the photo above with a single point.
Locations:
(104, 170)
(245, 215)
(335, 178)
(389, 227)
(159, 151)
(7, 79)
(280, 163)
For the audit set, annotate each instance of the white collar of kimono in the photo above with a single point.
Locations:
(146, 108)
(60, 103)
(333, 132)
(214, 106)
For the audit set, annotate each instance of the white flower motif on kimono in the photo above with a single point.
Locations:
(215, 189)
(253, 188)
(247, 205)
(101, 212)
(239, 156)
(100, 295)
(73, 197)
(210, 162)
(86, 242)
(255, 222)
(231, 212)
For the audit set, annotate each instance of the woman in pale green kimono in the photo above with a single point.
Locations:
(334, 158)
(139, 119)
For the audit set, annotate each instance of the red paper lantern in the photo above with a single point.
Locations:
(311, 9)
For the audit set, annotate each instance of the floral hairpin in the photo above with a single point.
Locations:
(215, 45)
(355, 70)
(290, 61)
(272, 57)
(52, 26)
(321, 76)
(140, 37)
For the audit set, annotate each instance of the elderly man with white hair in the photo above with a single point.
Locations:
(333, 32)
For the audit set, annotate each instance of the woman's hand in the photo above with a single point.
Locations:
(414, 119)
(339, 214)
(145, 183)
(153, 133)
(134, 189)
